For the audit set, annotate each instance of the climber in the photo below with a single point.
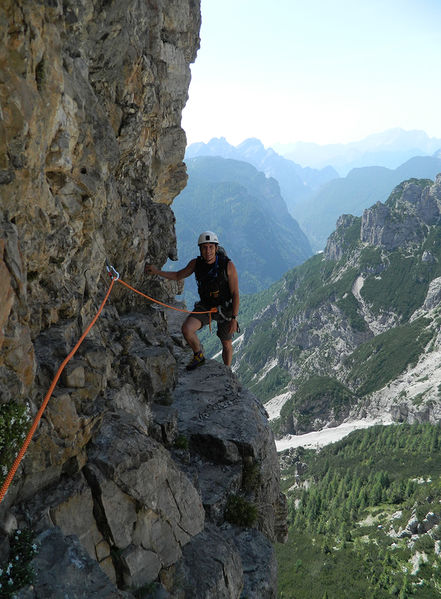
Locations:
(218, 285)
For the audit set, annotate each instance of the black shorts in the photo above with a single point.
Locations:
(223, 325)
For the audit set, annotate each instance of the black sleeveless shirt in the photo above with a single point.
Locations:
(212, 280)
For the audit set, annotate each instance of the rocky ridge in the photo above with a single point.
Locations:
(357, 326)
(125, 483)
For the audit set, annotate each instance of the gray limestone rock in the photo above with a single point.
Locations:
(227, 426)
(67, 504)
(433, 297)
(335, 246)
(412, 525)
(140, 566)
(211, 568)
(144, 470)
(64, 569)
(429, 522)
(402, 220)
(259, 563)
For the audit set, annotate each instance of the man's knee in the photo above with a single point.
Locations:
(185, 328)
(190, 326)
(227, 343)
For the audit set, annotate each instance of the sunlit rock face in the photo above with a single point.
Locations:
(91, 158)
(91, 153)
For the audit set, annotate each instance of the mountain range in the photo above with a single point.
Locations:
(389, 148)
(317, 197)
(353, 336)
(359, 190)
(296, 183)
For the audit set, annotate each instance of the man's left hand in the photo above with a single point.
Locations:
(234, 326)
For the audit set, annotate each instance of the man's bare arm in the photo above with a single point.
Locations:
(172, 276)
(233, 282)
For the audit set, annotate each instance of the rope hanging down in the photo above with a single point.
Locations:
(114, 275)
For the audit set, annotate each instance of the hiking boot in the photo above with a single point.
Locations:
(197, 360)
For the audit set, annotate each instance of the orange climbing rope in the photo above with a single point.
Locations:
(33, 428)
(115, 277)
(209, 312)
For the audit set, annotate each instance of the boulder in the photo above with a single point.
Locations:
(412, 525)
(65, 569)
(211, 568)
(429, 522)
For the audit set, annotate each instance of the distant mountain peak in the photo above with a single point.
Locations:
(251, 142)
(353, 329)
(296, 183)
(388, 148)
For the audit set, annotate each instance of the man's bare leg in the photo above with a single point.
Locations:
(189, 328)
(227, 351)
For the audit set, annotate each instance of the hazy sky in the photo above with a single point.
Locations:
(325, 71)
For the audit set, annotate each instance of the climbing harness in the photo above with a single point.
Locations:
(228, 318)
(115, 276)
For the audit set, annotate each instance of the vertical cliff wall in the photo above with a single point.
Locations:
(91, 155)
(91, 150)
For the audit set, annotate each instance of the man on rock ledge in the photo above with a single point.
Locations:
(218, 286)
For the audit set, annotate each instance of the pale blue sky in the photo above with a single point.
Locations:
(325, 71)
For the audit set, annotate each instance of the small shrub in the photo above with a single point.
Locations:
(146, 591)
(181, 442)
(17, 572)
(40, 74)
(251, 478)
(424, 543)
(436, 533)
(240, 512)
(14, 420)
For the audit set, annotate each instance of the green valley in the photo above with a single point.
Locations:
(364, 516)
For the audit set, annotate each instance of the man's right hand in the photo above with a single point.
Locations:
(150, 269)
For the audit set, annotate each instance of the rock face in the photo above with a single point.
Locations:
(404, 219)
(91, 153)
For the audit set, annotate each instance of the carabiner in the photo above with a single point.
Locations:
(109, 269)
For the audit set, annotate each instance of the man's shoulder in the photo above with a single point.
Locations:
(223, 259)
(189, 269)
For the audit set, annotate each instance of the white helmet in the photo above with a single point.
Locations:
(208, 237)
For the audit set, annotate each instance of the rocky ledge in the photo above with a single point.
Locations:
(182, 494)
